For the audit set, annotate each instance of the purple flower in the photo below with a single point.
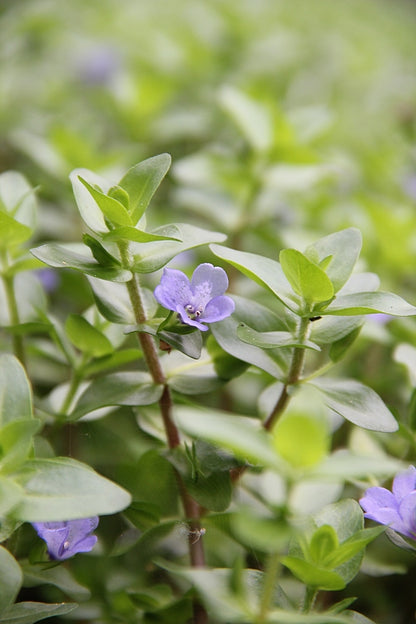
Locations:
(198, 301)
(397, 509)
(65, 539)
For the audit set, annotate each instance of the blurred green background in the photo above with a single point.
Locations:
(286, 120)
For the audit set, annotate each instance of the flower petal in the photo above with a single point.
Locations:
(65, 539)
(208, 282)
(218, 309)
(174, 289)
(404, 483)
(188, 321)
(407, 511)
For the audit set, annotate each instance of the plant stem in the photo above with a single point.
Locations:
(270, 575)
(295, 371)
(17, 340)
(309, 600)
(191, 507)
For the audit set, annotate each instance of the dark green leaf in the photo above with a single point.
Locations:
(212, 492)
(31, 612)
(103, 257)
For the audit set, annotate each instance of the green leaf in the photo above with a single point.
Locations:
(155, 255)
(58, 576)
(186, 339)
(313, 575)
(31, 612)
(15, 393)
(191, 377)
(140, 236)
(370, 303)
(112, 300)
(142, 181)
(67, 256)
(241, 435)
(226, 366)
(65, 489)
(253, 119)
(103, 257)
(343, 249)
(12, 231)
(357, 403)
(307, 279)
(270, 340)
(86, 337)
(301, 439)
(11, 579)
(352, 546)
(16, 439)
(225, 333)
(339, 348)
(87, 206)
(114, 360)
(10, 494)
(112, 209)
(212, 492)
(266, 534)
(324, 542)
(264, 271)
(17, 198)
(129, 388)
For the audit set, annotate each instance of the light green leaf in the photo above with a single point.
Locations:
(142, 181)
(10, 494)
(266, 534)
(270, 340)
(241, 435)
(87, 206)
(31, 612)
(357, 403)
(352, 546)
(343, 465)
(225, 333)
(86, 337)
(11, 579)
(65, 489)
(68, 256)
(15, 393)
(324, 542)
(313, 575)
(128, 388)
(307, 279)
(301, 439)
(370, 303)
(343, 248)
(154, 256)
(12, 232)
(264, 271)
(112, 209)
(253, 119)
(16, 439)
(112, 300)
(17, 198)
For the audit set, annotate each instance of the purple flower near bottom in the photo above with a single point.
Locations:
(397, 509)
(198, 301)
(65, 539)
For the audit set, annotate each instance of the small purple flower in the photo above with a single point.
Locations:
(65, 539)
(397, 509)
(198, 301)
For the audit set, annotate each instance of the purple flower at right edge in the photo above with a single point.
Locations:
(396, 509)
(66, 539)
(198, 301)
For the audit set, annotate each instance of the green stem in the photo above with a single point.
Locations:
(309, 600)
(270, 575)
(295, 371)
(17, 340)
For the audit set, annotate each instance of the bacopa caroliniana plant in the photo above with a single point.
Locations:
(267, 526)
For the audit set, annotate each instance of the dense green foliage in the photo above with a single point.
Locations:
(275, 139)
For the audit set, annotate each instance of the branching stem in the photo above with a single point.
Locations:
(295, 371)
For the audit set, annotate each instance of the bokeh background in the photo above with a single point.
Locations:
(286, 120)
